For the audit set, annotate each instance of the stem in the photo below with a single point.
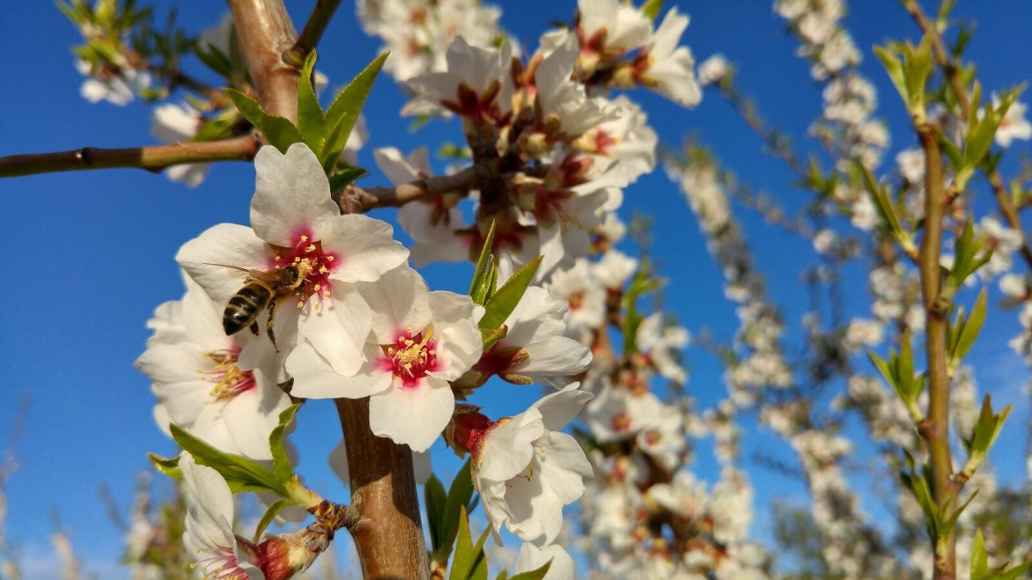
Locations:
(264, 32)
(389, 537)
(155, 158)
(936, 428)
(312, 32)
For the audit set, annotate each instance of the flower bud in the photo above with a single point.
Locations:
(281, 557)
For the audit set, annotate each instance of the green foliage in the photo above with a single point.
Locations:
(651, 8)
(469, 561)
(971, 254)
(986, 430)
(481, 286)
(980, 569)
(278, 131)
(444, 511)
(269, 515)
(503, 301)
(899, 372)
(310, 118)
(908, 67)
(641, 284)
(343, 113)
(886, 208)
(962, 333)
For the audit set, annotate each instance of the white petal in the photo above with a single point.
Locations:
(559, 408)
(339, 330)
(399, 301)
(532, 558)
(366, 246)
(412, 416)
(220, 258)
(315, 378)
(291, 194)
(508, 447)
(455, 325)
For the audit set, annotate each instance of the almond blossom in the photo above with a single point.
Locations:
(532, 557)
(535, 349)
(420, 341)
(209, 537)
(176, 124)
(199, 384)
(524, 468)
(297, 226)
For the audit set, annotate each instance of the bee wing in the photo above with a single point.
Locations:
(266, 277)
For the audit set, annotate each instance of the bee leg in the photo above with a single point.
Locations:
(254, 328)
(268, 324)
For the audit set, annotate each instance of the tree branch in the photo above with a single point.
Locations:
(312, 32)
(354, 199)
(389, 536)
(154, 158)
(264, 32)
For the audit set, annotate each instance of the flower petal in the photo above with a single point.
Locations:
(367, 247)
(412, 416)
(219, 259)
(291, 193)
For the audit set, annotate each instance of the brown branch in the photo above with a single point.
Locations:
(154, 158)
(952, 72)
(355, 199)
(312, 32)
(936, 428)
(264, 32)
(389, 536)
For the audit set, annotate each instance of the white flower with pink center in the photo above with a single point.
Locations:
(420, 341)
(200, 387)
(303, 249)
(209, 537)
(525, 469)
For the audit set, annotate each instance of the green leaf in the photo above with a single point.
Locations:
(270, 514)
(534, 574)
(979, 558)
(216, 60)
(468, 557)
(281, 467)
(433, 494)
(310, 118)
(651, 8)
(504, 300)
(480, 285)
(890, 60)
(457, 503)
(166, 465)
(884, 205)
(241, 473)
(345, 176)
(278, 131)
(343, 112)
(968, 330)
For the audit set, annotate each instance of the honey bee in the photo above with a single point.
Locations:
(261, 292)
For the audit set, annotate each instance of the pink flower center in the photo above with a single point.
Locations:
(228, 379)
(410, 357)
(312, 263)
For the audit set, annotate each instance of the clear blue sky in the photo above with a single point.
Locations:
(89, 255)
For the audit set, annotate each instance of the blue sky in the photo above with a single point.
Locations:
(89, 255)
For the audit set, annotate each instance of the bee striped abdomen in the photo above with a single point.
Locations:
(243, 308)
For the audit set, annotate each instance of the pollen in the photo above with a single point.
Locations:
(313, 263)
(228, 380)
(411, 356)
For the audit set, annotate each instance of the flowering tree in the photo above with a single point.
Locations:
(316, 299)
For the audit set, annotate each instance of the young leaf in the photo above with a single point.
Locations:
(343, 112)
(505, 299)
(270, 514)
(241, 473)
(468, 557)
(279, 132)
(310, 118)
(979, 558)
(167, 465)
(458, 502)
(478, 287)
(534, 574)
(345, 176)
(433, 494)
(281, 467)
(651, 8)
(968, 330)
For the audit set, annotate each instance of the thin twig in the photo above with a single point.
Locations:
(952, 72)
(356, 199)
(264, 32)
(312, 32)
(153, 158)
